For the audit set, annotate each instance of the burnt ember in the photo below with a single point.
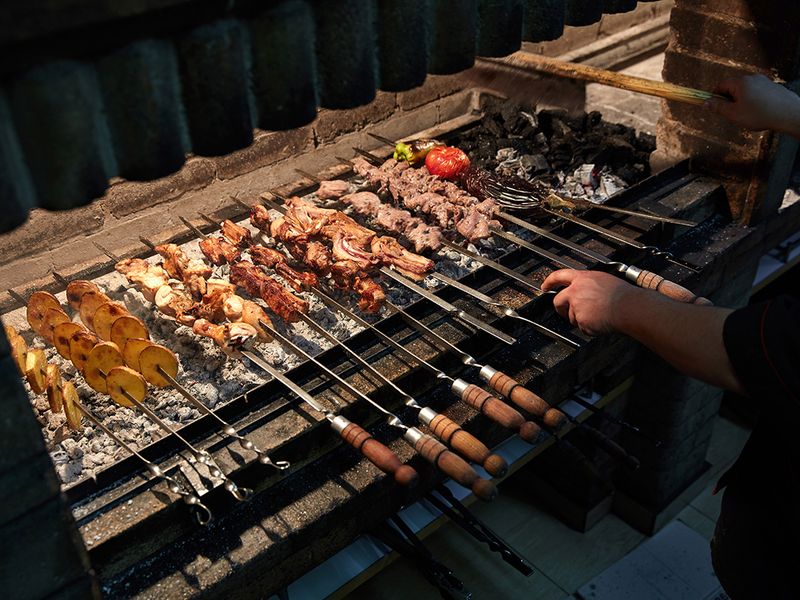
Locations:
(553, 146)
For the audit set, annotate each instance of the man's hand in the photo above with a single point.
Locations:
(758, 103)
(591, 300)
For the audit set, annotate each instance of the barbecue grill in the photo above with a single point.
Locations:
(239, 482)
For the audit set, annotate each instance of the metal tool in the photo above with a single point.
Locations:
(444, 500)
(399, 537)
(355, 435)
(430, 448)
(444, 428)
(443, 304)
(642, 278)
(201, 512)
(506, 310)
(471, 394)
(227, 428)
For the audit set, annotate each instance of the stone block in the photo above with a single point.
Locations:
(45, 230)
(330, 124)
(20, 435)
(267, 148)
(435, 87)
(126, 198)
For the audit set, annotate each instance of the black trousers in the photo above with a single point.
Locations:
(753, 552)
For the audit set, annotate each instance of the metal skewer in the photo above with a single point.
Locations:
(378, 454)
(201, 456)
(443, 304)
(431, 449)
(444, 428)
(355, 435)
(227, 428)
(201, 511)
(479, 399)
(506, 310)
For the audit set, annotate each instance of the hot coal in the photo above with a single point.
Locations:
(551, 145)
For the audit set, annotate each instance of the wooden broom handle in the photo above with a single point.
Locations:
(651, 87)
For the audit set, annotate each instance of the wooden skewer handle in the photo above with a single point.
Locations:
(496, 410)
(652, 281)
(651, 87)
(523, 397)
(463, 442)
(451, 464)
(378, 454)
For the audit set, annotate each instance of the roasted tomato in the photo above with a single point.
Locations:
(446, 162)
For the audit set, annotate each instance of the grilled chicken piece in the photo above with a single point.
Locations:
(236, 234)
(260, 217)
(230, 337)
(333, 189)
(318, 257)
(283, 230)
(268, 257)
(238, 309)
(348, 275)
(344, 249)
(340, 224)
(193, 272)
(392, 253)
(147, 277)
(219, 251)
(260, 285)
(174, 302)
(212, 306)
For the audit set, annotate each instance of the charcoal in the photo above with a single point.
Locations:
(535, 163)
(646, 141)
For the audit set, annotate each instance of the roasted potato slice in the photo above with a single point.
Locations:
(103, 357)
(54, 395)
(90, 302)
(104, 318)
(127, 327)
(62, 334)
(124, 380)
(76, 289)
(71, 410)
(19, 352)
(153, 357)
(133, 347)
(38, 305)
(52, 318)
(36, 370)
(11, 333)
(80, 345)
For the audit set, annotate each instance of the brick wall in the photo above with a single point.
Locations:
(712, 40)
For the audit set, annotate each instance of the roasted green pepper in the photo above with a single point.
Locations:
(414, 152)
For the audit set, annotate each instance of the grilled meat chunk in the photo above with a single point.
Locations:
(230, 337)
(238, 309)
(260, 285)
(260, 217)
(236, 234)
(333, 189)
(268, 257)
(191, 271)
(219, 251)
(348, 275)
(173, 301)
(147, 277)
(392, 253)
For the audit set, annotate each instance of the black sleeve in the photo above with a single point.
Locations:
(763, 344)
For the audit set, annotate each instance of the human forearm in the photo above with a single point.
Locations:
(687, 336)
